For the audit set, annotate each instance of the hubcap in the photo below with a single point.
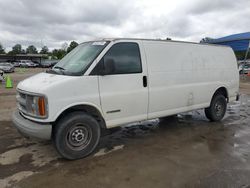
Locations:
(218, 109)
(78, 137)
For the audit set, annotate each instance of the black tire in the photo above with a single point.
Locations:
(76, 135)
(241, 71)
(217, 108)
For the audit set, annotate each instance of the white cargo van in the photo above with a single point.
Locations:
(108, 83)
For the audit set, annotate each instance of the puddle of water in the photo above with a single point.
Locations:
(9, 181)
(39, 153)
(105, 151)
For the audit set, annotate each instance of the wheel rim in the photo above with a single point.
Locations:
(78, 137)
(219, 108)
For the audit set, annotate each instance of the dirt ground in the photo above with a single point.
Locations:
(182, 151)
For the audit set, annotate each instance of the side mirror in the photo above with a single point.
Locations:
(109, 67)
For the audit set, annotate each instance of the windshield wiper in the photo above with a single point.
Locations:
(57, 67)
(51, 71)
(60, 68)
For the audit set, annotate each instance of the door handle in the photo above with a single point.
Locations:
(145, 81)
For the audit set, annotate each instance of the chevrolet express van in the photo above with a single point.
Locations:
(108, 83)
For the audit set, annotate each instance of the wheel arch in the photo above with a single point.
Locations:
(89, 109)
(221, 90)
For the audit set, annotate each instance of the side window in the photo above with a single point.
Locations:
(126, 58)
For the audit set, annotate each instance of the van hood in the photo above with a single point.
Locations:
(39, 83)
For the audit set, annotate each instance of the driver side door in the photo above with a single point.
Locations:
(124, 90)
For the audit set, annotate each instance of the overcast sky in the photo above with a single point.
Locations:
(53, 22)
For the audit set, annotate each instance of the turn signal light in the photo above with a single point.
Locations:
(41, 106)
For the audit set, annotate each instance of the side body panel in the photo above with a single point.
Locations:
(184, 76)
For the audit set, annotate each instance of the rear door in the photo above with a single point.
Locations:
(124, 93)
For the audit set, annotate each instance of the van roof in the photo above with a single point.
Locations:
(162, 40)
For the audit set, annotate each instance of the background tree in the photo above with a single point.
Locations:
(240, 55)
(44, 50)
(2, 51)
(72, 45)
(58, 53)
(17, 49)
(31, 49)
(64, 46)
(23, 51)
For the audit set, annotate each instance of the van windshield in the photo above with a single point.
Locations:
(78, 60)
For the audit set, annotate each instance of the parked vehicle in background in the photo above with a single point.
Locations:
(48, 63)
(28, 63)
(54, 63)
(31, 64)
(38, 64)
(109, 83)
(45, 64)
(1, 76)
(7, 67)
(16, 63)
(244, 69)
(23, 63)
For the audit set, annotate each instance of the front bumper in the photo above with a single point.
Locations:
(30, 128)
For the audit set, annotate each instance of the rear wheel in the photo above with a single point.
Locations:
(76, 135)
(217, 108)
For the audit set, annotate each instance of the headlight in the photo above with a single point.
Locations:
(37, 106)
(33, 105)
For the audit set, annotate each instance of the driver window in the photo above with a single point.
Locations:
(126, 58)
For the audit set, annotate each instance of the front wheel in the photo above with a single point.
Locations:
(217, 108)
(76, 135)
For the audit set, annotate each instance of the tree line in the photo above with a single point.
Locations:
(54, 54)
